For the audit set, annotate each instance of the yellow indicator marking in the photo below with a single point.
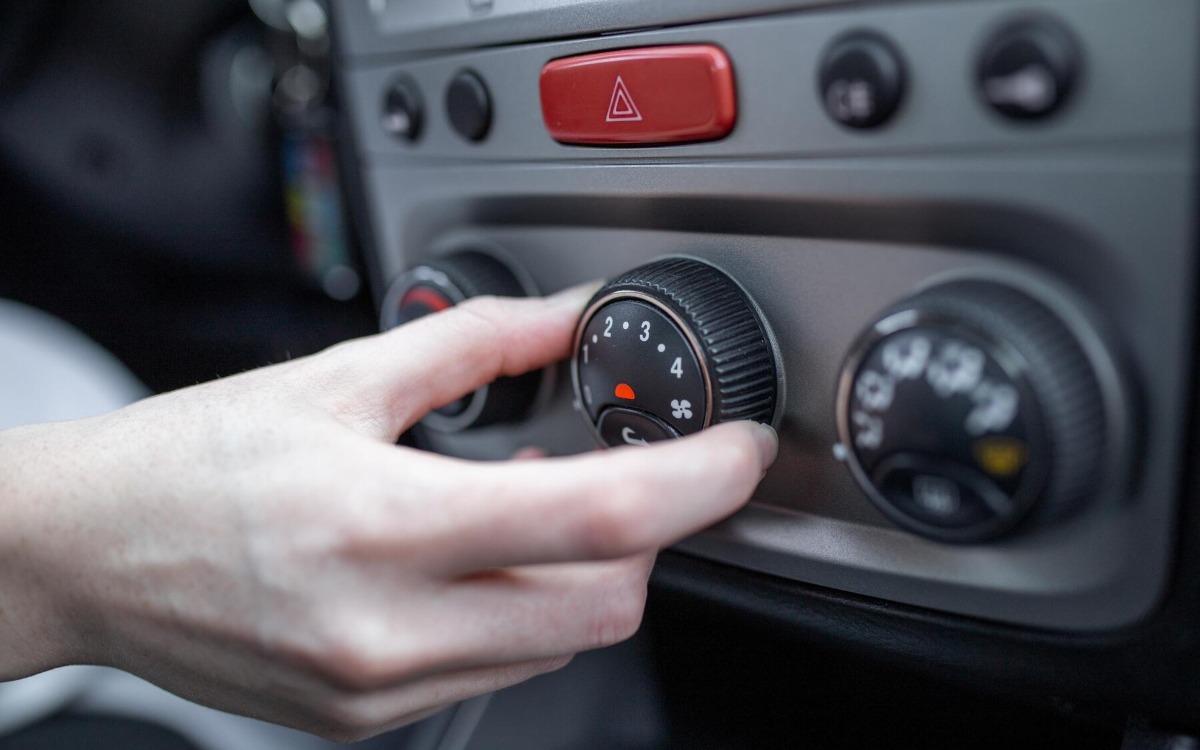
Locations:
(1001, 456)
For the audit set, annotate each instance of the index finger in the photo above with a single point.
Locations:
(602, 505)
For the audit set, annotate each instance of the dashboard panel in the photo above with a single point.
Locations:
(1006, 189)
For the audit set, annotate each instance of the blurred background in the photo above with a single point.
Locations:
(170, 182)
(170, 187)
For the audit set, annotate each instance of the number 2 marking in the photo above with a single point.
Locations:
(645, 331)
(608, 327)
(677, 367)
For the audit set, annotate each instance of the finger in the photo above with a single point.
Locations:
(389, 381)
(354, 715)
(538, 612)
(498, 617)
(603, 505)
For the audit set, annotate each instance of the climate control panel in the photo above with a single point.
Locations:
(956, 240)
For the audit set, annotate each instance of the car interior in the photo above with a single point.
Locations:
(946, 248)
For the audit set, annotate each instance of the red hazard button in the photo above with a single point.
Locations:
(640, 96)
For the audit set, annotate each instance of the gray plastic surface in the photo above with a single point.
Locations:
(388, 27)
(826, 227)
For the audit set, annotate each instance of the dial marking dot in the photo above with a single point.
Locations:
(662, 347)
(595, 338)
(625, 325)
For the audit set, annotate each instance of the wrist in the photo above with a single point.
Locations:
(36, 485)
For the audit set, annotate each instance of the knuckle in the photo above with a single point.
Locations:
(618, 619)
(347, 667)
(485, 310)
(346, 720)
(621, 614)
(490, 319)
(346, 655)
(617, 522)
(555, 664)
(357, 669)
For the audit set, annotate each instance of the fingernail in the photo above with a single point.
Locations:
(768, 443)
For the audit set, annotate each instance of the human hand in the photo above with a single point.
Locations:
(259, 544)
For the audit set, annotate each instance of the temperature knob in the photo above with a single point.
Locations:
(970, 408)
(441, 284)
(668, 349)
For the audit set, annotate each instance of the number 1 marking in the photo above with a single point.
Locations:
(585, 357)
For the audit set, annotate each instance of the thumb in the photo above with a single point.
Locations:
(391, 380)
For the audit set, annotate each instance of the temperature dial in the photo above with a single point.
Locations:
(971, 408)
(668, 349)
(439, 285)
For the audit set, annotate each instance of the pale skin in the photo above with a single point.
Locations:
(260, 545)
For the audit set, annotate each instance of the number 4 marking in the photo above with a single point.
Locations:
(677, 367)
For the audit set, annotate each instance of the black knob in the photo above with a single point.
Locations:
(668, 349)
(1028, 68)
(403, 109)
(469, 105)
(971, 408)
(861, 80)
(441, 284)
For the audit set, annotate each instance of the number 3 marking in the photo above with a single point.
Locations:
(645, 331)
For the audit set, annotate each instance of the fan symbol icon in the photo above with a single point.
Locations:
(681, 409)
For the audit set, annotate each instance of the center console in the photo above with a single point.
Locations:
(946, 248)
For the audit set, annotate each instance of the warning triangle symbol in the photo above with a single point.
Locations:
(621, 107)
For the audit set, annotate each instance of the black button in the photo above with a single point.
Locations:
(469, 106)
(940, 493)
(861, 80)
(619, 426)
(1028, 68)
(403, 109)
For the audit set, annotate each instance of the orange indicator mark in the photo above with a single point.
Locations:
(1001, 456)
(624, 391)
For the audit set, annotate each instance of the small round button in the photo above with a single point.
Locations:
(620, 426)
(469, 105)
(861, 80)
(403, 109)
(932, 491)
(1028, 68)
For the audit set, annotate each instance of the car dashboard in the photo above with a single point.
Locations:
(965, 233)
(947, 249)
